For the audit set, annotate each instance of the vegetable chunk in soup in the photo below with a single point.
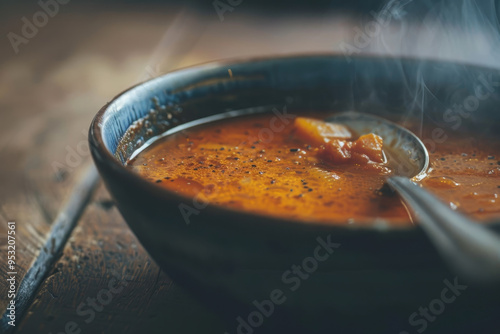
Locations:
(313, 171)
(336, 144)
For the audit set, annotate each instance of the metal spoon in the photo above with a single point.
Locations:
(471, 249)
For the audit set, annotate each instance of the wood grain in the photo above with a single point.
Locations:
(103, 252)
(48, 96)
(56, 240)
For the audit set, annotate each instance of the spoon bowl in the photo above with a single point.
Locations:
(406, 153)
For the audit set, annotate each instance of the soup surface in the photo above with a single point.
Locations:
(270, 166)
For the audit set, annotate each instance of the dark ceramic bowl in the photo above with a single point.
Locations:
(374, 278)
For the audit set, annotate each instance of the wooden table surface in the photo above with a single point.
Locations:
(78, 264)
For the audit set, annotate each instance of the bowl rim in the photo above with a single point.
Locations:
(96, 142)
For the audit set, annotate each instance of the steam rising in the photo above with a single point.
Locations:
(463, 31)
(460, 30)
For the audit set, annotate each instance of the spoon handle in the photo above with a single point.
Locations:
(470, 248)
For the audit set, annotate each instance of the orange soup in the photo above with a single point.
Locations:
(309, 171)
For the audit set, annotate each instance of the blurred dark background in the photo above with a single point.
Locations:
(277, 6)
